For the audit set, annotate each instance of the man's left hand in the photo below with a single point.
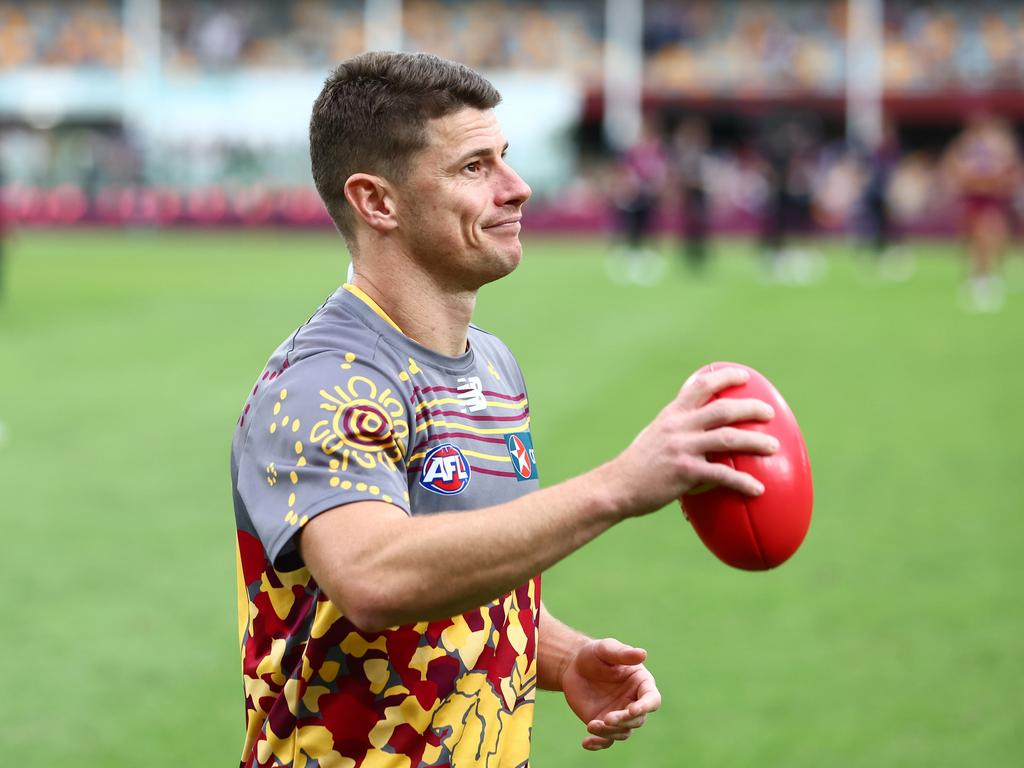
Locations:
(609, 689)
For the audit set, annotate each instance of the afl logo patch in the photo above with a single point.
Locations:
(520, 449)
(445, 470)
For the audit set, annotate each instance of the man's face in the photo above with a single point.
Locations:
(459, 208)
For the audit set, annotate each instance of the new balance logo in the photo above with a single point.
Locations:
(471, 393)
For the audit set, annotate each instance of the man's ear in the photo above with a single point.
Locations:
(370, 196)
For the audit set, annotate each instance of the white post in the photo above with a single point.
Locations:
(864, 86)
(382, 25)
(623, 71)
(141, 67)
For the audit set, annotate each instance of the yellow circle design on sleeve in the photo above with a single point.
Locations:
(367, 423)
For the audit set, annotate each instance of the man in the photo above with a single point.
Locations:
(637, 188)
(3, 237)
(391, 531)
(690, 154)
(985, 168)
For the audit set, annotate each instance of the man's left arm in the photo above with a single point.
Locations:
(604, 681)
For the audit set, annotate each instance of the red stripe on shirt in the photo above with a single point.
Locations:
(420, 415)
(499, 395)
(478, 438)
(472, 468)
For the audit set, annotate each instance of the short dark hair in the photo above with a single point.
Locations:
(371, 117)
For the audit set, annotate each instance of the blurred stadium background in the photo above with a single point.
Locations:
(161, 234)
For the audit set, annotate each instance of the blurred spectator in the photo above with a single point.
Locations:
(785, 46)
(702, 47)
(562, 35)
(745, 47)
(75, 33)
(984, 165)
(733, 48)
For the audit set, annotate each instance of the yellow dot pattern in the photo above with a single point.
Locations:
(349, 359)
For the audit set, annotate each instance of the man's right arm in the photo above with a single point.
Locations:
(380, 566)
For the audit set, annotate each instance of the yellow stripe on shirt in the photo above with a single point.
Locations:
(359, 293)
(476, 454)
(477, 430)
(462, 401)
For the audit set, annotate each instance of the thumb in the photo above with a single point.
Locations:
(611, 651)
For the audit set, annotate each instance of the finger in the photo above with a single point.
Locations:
(701, 386)
(711, 474)
(622, 717)
(605, 731)
(626, 721)
(633, 716)
(648, 701)
(616, 718)
(612, 651)
(735, 440)
(729, 410)
(594, 744)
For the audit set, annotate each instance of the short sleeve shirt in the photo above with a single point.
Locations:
(349, 409)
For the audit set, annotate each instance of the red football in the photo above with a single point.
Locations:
(756, 533)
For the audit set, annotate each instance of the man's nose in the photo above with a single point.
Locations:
(513, 190)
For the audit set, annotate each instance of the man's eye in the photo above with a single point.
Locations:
(472, 167)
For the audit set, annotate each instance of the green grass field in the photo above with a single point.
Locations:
(893, 638)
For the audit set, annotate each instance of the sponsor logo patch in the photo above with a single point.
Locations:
(520, 449)
(445, 470)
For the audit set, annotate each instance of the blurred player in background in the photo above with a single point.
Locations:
(788, 148)
(984, 166)
(638, 185)
(3, 229)
(689, 157)
(391, 529)
(879, 225)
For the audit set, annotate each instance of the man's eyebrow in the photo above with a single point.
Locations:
(479, 152)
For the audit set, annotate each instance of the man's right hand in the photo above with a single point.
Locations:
(669, 457)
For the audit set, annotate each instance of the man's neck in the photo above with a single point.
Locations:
(429, 314)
